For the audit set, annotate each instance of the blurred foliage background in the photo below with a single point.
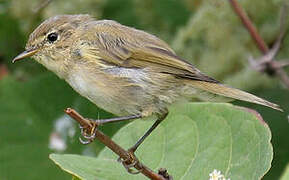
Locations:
(205, 32)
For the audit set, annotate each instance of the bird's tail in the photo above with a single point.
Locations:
(223, 90)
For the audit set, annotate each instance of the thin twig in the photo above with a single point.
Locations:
(283, 29)
(41, 6)
(3, 71)
(249, 25)
(123, 154)
(283, 76)
(266, 63)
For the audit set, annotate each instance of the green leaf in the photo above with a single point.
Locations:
(285, 175)
(278, 123)
(28, 111)
(194, 140)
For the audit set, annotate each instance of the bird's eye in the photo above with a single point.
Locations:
(52, 37)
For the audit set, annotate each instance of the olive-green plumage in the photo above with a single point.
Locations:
(122, 70)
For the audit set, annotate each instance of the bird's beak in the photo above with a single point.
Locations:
(25, 54)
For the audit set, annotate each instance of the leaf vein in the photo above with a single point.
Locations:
(197, 148)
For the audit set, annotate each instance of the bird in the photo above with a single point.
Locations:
(123, 70)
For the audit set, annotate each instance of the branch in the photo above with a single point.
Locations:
(41, 6)
(3, 71)
(123, 154)
(266, 63)
(249, 25)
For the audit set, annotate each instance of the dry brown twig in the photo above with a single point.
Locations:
(3, 71)
(90, 127)
(41, 6)
(267, 63)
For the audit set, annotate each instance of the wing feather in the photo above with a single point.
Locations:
(131, 48)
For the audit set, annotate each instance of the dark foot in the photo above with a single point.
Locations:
(130, 163)
(164, 173)
(88, 133)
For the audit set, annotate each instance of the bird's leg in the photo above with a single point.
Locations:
(148, 132)
(89, 133)
(131, 150)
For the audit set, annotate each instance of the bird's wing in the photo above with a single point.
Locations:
(127, 47)
(122, 46)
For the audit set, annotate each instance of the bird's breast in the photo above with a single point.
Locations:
(117, 90)
(124, 91)
(93, 87)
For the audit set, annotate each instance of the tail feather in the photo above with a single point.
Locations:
(226, 91)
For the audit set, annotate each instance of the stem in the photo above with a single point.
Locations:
(41, 6)
(250, 27)
(123, 154)
(260, 41)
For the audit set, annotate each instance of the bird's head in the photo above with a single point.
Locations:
(50, 42)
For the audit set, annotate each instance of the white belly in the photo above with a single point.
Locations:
(94, 90)
(123, 91)
(114, 95)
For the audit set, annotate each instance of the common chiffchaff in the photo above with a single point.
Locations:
(121, 69)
